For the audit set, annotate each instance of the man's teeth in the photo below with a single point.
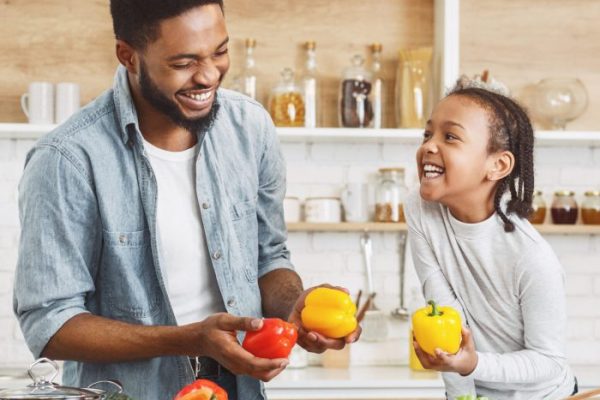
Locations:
(200, 97)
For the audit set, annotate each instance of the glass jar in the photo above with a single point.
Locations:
(378, 87)
(590, 208)
(248, 78)
(538, 205)
(414, 88)
(564, 207)
(286, 103)
(310, 86)
(355, 106)
(390, 195)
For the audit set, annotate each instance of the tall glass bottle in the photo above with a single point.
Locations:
(248, 78)
(310, 87)
(378, 91)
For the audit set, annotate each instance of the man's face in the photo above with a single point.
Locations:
(180, 71)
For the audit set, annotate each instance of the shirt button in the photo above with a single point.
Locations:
(217, 254)
(122, 239)
(205, 206)
(231, 302)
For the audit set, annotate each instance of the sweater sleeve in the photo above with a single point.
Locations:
(434, 284)
(541, 288)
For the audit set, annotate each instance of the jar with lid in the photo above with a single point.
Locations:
(590, 208)
(355, 104)
(248, 78)
(538, 205)
(390, 195)
(564, 207)
(378, 87)
(310, 86)
(286, 103)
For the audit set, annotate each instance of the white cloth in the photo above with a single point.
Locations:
(183, 255)
(509, 288)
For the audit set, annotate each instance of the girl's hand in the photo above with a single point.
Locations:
(463, 362)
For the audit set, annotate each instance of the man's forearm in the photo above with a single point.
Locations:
(279, 290)
(90, 338)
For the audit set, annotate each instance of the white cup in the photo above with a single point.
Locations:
(291, 209)
(67, 101)
(355, 201)
(323, 209)
(38, 103)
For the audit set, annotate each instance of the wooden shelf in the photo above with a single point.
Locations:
(546, 229)
(341, 135)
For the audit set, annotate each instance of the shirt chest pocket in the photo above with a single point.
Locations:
(245, 224)
(127, 277)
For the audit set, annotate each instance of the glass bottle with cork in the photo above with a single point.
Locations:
(286, 103)
(378, 90)
(248, 77)
(390, 195)
(310, 86)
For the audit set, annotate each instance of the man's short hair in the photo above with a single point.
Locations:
(136, 21)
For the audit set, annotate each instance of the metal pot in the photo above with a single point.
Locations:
(43, 388)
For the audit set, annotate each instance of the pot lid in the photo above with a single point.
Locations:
(44, 388)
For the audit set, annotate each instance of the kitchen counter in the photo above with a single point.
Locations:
(391, 382)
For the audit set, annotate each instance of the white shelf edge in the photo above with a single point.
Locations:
(24, 131)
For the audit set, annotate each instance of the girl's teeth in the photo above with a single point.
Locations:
(432, 174)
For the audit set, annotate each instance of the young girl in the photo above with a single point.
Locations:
(474, 250)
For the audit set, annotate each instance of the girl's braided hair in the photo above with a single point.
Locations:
(511, 130)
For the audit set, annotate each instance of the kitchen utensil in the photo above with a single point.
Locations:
(585, 395)
(401, 312)
(323, 209)
(560, 100)
(43, 388)
(360, 315)
(38, 103)
(374, 323)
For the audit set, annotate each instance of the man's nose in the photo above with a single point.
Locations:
(208, 75)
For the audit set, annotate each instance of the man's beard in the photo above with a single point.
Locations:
(162, 103)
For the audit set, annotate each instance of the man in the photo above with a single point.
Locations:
(152, 224)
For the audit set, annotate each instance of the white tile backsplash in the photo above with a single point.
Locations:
(321, 169)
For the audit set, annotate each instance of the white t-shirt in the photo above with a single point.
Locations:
(183, 255)
(510, 291)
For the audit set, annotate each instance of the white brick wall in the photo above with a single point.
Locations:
(321, 170)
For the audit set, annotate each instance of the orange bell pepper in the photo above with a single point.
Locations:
(329, 312)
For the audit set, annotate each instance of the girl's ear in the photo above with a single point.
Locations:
(502, 164)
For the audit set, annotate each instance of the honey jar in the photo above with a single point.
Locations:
(590, 208)
(538, 205)
(564, 207)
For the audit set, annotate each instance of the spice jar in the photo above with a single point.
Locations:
(356, 109)
(564, 207)
(390, 195)
(590, 208)
(538, 205)
(286, 103)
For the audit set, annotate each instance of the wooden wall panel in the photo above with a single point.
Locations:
(72, 40)
(523, 41)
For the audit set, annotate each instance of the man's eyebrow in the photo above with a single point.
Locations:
(193, 56)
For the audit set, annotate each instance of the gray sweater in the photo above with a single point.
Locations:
(509, 289)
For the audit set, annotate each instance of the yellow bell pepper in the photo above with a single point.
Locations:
(329, 312)
(437, 327)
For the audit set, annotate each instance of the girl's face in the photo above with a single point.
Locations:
(453, 161)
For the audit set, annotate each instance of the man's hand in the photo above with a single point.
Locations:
(313, 341)
(217, 339)
(463, 362)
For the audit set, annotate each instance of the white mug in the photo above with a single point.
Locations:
(38, 103)
(323, 209)
(67, 101)
(291, 209)
(355, 202)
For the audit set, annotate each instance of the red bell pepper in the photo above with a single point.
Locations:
(202, 389)
(274, 340)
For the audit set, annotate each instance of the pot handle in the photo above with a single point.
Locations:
(41, 379)
(113, 382)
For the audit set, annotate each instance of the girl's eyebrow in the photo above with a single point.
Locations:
(452, 123)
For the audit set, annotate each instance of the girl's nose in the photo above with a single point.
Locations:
(430, 147)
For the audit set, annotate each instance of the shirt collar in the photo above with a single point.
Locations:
(126, 113)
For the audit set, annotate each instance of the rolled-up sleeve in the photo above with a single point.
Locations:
(58, 244)
(272, 232)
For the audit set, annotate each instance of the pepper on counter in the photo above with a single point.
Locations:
(437, 327)
(330, 312)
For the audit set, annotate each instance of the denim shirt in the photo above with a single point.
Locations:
(87, 202)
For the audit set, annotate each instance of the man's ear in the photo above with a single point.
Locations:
(127, 56)
(502, 164)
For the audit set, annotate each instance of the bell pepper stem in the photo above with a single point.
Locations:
(434, 310)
